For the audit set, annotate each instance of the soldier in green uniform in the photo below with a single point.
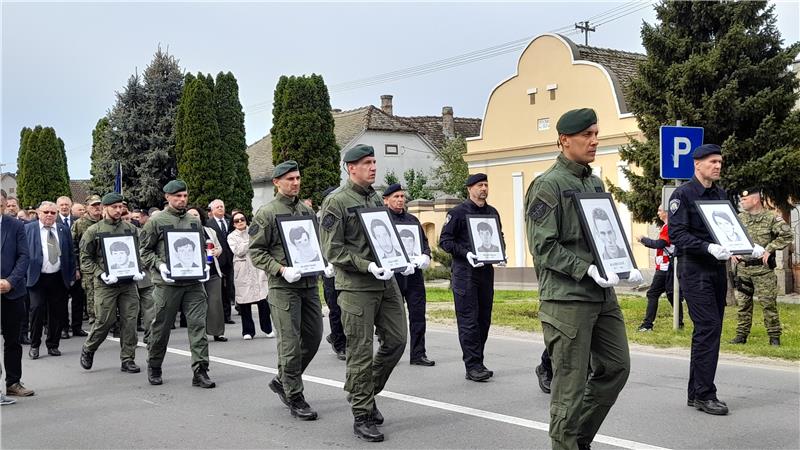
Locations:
(171, 295)
(757, 275)
(94, 213)
(581, 318)
(368, 294)
(293, 299)
(111, 293)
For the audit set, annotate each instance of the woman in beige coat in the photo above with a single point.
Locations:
(251, 283)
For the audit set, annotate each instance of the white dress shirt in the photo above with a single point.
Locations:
(46, 266)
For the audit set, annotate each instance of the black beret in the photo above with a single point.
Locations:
(576, 120)
(475, 178)
(749, 191)
(284, 168)
(111, 198)
(174, 186)
(328, 191)
(358, 152)
(391, 189)
(705, 150)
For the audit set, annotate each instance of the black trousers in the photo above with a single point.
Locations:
(228, 291)
(412, 288)
(334, 313)
(25, 316)
(48, 298)
(473, 290)
(246, 311)
(77, 303)
(705, 288)
(662, 283)
(11, 310)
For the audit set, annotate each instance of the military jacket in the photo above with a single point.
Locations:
(344, 241)
(687, 230)
(78, 228)
(561, 254)
(91, 252)
(151, 244)
(266, 246)
(767, 230)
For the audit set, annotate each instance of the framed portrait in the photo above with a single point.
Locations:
(484, 233)
(724, 225)
(383, 238)
(603, 230)
(185, 251)
(300, 237)
(121, 255)
(410, 238)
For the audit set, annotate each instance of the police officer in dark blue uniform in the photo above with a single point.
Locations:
(701, 273)
(336, 338)
(412, 287)
(473, 282)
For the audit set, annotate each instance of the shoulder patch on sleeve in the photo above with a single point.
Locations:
(538, 209)
(253, 230)
(674, 204)
(328, 221)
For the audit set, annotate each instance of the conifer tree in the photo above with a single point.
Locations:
(128, 130)
(102, 166)
(230, 118)
(41, 165)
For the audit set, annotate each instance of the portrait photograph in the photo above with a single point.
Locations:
(121, 255)
(383, 238)
(410, 238)
(724, 225)
(484, 233)
(602, 227)
(301, 243)
(185, 251)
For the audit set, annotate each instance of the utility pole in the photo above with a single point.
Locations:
(585, 29)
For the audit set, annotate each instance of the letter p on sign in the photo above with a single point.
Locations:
(682, 147)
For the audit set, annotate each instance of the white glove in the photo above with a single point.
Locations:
(328, 271)
(611, 280)
(422, 261)
(208, 273)
(758, 251)
(409, 270)
(138, 276)
(290, 274)
(108, 279)
(165, 273)
(502, 264)
(472, 258)
(635, 277)
(379, 272)
(719, 252)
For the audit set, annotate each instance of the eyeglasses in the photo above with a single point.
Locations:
(240, 220)
(48, 212)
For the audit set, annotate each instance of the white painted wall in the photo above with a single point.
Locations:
(262, 193)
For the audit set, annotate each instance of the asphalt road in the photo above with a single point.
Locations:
(424, 407)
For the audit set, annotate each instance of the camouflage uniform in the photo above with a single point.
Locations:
(78, 229)
(771, 232)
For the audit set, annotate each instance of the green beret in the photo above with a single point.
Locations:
(576, 120)
(358, 152)
(111, 198)
(284, 168)
(174, 186)
(93, 199)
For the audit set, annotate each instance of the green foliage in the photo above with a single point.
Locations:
(390, 178)
(453, 171)
(302, 130)
(718, 65)
(128, 134)
(416, 185)
(230, 118)
(436, 273)
(41, 167)
(102, 168)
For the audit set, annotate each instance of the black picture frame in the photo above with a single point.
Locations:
(368, 217)
(496, 251)
(112, 244)
(610, 242)
(717, 212)
(175, 260)
(294, 255)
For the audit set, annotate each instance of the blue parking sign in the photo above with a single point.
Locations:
(677, 146)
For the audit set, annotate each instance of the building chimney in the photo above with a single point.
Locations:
(386, 104)
(448, 124)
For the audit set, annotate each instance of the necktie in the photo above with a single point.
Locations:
(53, 251)
(66, 222)
(222, 226)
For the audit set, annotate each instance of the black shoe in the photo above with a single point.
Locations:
(739, 339)
(87, 358)
(220, 339)
(154, 375)
(53, 352)
(230, 322)
(277, 387)
(545, 378)
(34, 352)
(130, 367)
(712, 406)
(25, 340)
(490, 372)
(301, 409)
(424, 361)
(776, 341)
(364, 428)
(339, 353)
(79, 332)
(477, 375)
(64, 334)
(376, 414)
(201, 379)
(584, 446)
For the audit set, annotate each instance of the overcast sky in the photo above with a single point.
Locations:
(62, 62)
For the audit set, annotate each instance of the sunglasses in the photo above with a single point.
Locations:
(240, 220)
(49, 212)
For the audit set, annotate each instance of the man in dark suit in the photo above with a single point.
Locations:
(76, 293)
(219, 222)
(12, 288)
(12, 210)
(51, 272)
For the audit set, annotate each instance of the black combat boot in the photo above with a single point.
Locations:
(301, 409)
(739, 339)
(776, 341)
(154, 375)
(201, 379)
(364, 428)
(376, 415)
(545, 378)
(87, 358)
(277, 387)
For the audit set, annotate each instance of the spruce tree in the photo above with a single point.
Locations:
(102, 166)
(302, 130)
(128, 137)
(230, 119)
(41, 165)
(720, 66)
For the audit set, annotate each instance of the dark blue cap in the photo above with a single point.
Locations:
(391, 189)
(705, 150)
(475, 178)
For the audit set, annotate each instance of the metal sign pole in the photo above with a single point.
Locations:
(676, 289)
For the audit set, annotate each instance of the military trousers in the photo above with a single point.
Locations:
(412, 289)
(88, 289)
(365, 313)
(146, 309)
(766, 289)
(577, 334)
(167, 301)
(297, 316)
(109, 299)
